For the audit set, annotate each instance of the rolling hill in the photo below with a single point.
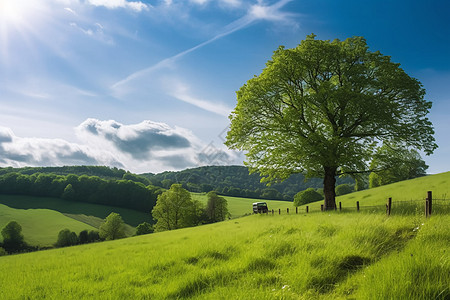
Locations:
(328, 255)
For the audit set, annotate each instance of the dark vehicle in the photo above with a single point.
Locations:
(260, 207)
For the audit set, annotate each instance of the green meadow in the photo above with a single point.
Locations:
(40, 226)
(238, 206)
(314, 256)
(42, 218)
(329, 255)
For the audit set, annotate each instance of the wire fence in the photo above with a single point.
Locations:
(427, 206)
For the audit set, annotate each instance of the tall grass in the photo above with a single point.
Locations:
(256, 257)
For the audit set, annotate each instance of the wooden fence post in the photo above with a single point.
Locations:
(389, 206)
(321, 207)
(279, 211)
(357, 205)
(296, 210)
(307, 208)
(426, 208)
(272, 211)
(430, 202)
(287, 210)
(340, 206)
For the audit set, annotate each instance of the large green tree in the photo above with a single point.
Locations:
(323, 108)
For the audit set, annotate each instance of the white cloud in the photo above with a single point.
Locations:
(18, 152)
(181, 91)
(271, 12)
(144, 147)
(112, 4)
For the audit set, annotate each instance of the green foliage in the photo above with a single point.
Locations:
(144, 228)
(13, 240)
(394, 163)
(323, 107)
(93, 236)
(3, 252)
(343, 189)
(83, 237)
(307, 196)
(91, 189)
(175, 209)
(216, 207)
(237, 182)
(66, 238)
(113, 228)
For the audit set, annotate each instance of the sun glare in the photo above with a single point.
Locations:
(12, 12)
(19, 19)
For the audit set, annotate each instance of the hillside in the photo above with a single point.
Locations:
(329, 255)
(40, 227)
(256, 257)
(236, 181)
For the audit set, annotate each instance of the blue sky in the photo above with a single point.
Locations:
(147, 85)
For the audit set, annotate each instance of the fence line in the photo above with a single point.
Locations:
(391, 205)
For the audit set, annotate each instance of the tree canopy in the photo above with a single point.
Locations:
(113, 228)
(216, 207)
(13, 239)
(323, 108)
(175, 209)
(392, 163)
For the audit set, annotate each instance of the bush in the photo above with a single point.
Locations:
(343, 189)
(307, 196)
(144, 228)
(66, 238)
(93, 236)
(13, 240)
(3, 252)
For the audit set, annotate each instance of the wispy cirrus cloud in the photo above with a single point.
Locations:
(256, 12)
(113, 4)
(181, 91)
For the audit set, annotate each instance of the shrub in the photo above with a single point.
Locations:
(144, 228)
(343, 189)
(3, 252)
(307, 196)
(13, 240)
(66, 238)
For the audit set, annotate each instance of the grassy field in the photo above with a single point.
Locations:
(400, 192)
(315, 256)
(42, 218)
(241, 206)
(40, 226)
(130, 216)
(329, 255)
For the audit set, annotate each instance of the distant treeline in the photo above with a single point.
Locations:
(236, 181)
(125, 192)
(100, 171)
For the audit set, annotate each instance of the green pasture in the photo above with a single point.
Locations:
(241, 206)
(72, 208)
(400, 192)
(314, 256)
(40, 226)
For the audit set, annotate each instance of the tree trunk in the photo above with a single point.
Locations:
(329, 182)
